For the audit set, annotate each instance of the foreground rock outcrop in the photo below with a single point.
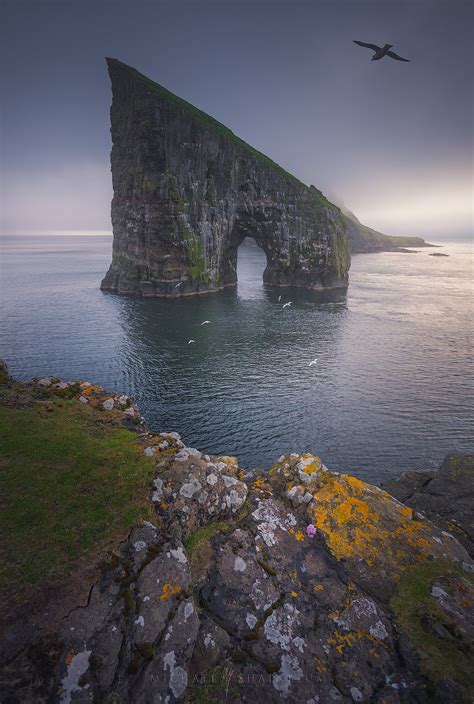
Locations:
(187, 192)
(297, 584)
(445, 496)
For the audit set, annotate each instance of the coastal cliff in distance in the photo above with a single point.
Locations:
(365, 240)
(187, 192)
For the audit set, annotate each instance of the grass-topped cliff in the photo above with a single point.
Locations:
(187, 191)
(364, 239)
(73, 483)
(214, 124)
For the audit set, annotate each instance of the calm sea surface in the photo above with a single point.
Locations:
(391, 389)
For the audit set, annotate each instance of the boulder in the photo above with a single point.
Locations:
(446, 497)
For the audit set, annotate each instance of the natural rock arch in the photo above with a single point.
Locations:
(187, 192)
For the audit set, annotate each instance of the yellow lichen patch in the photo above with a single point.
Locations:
(261, 484)
(233, 461)
(92, 389)
(319, 665)
(294, 594)
(297, 534)
(358, 522)
(318, 587)
(168, 591)
(311, 468)
(341, 641)
(311, 463)
(405, 511)
(69, 657)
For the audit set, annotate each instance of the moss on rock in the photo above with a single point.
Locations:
(420, 617)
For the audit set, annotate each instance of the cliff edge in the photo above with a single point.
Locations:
(297, 584)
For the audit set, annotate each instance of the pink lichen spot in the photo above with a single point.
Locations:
(310, 531)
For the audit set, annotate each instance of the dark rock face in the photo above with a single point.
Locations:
(446, 497)
(187, 192)
(265, 613)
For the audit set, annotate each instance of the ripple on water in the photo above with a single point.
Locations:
(390, 390)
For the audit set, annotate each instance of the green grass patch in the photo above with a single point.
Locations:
(71, 482)
(413, 606)
(202, 536)
(195, 258)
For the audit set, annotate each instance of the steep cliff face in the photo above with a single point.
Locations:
(187, 192)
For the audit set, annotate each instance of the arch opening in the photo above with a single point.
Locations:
(251, 265)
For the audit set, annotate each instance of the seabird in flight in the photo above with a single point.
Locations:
(381, 51)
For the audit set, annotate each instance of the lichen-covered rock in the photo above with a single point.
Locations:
(187, 192)
(212, 646)
(375, 536)
(284, 615)
(191, 490)
(166, 677)
(446, 497)
(139, 614)
(293, 585)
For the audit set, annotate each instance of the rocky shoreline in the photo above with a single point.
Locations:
(296, 584)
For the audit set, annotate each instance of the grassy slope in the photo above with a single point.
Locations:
(71, 483)
(373, 239)
(414, 607)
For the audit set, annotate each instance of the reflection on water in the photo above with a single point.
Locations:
(389, 390)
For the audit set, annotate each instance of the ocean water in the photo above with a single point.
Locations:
(391, 389)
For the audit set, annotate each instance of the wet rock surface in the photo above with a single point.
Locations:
(290, 585)
(187, 192)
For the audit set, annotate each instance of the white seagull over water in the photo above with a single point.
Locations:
(313, 362)
(180, 284)
(285, 305)
(205, 322)
(279, 299)
(190, 341)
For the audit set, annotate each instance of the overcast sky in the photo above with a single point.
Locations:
(392, 140)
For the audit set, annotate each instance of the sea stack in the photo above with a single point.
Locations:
(187, 192)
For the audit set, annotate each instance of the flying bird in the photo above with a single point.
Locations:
(205, 322)
(191, 341)
(180, 284)
(313, 362)
(279, 299)
(381, 51)
(285, 305)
